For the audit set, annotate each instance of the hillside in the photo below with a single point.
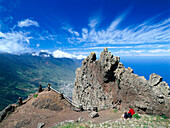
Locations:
(22, 74)
(47, 108)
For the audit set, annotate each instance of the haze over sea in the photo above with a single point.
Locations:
(146, 65)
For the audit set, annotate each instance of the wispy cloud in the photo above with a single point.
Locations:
(149, 31)
(154, 52)
(93, 22)
(159, 50)
(140, 46)
(27, 23)
(47, 36)
(71, 31)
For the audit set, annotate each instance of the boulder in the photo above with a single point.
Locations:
(40, 125)
(93, 114)
(81, 119)
(154, 79)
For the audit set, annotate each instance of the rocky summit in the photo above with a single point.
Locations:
(105, 81)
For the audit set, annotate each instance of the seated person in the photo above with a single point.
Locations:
(125, 115)
(131, 112)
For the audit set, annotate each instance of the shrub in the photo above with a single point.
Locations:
(35, 95)
(136, 116)
(115, 111)
(165, 117)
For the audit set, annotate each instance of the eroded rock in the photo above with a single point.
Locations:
(40, 125)
(104, 81)
(93, 114)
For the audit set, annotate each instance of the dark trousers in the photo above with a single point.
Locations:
(129, 115)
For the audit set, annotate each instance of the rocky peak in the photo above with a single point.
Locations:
(105, 81)
(154, 79)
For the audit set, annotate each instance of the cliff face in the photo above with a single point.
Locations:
(104, 81)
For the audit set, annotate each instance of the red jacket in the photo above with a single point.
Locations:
(131, 111)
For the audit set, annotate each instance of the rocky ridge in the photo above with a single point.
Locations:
(105, 81)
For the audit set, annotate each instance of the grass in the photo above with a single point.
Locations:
(70, 125)
(110, 90)
(57, 126)
(115, 110)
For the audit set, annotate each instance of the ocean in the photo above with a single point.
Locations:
(145, 66)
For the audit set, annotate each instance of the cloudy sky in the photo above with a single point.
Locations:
(74, 28)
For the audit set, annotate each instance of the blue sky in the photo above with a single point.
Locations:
(74, 28)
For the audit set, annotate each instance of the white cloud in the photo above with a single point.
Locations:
(14, 42)
(47, 37)
(47, 51)
(93, 23)
(38, 45)
(58, 42)
(70, 30)
(27, 23)
(61, 54)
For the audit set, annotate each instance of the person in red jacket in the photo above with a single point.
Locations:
(131, 112)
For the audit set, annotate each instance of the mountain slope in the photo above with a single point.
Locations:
(22, 74)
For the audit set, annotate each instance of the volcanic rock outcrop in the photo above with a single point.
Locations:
(105, 81)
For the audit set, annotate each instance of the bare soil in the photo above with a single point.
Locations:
(30, 114)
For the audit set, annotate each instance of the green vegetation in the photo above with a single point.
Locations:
(35, 95)
(70, 125)
(115, 110)
(21, 75)
(136, 116)
(165, 117)
(110, 90)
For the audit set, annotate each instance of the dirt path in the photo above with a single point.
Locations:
(28, 116)
(107, 115)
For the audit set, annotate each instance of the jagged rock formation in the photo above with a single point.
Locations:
(104, 81)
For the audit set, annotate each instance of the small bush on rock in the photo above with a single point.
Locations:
(115, 111)
(35, 95)
(165, 117)
(136, 116)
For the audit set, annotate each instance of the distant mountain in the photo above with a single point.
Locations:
(22, 74)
